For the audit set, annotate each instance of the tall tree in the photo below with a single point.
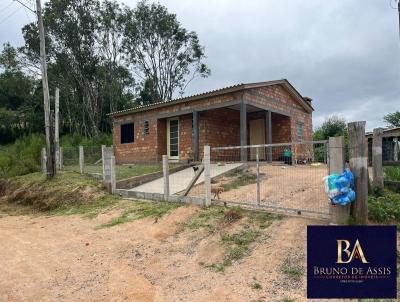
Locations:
(331, 127)
(393, 119)
(84, 56)
(20, 104)
(161, 50)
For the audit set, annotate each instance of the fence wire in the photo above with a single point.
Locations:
(282, 176)
(91, 158)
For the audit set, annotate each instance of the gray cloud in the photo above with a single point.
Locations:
(343, 54)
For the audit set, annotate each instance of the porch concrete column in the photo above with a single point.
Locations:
(243, 131)
(268, 132)
(196, 135)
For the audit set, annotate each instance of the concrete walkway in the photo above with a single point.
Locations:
(178, 181)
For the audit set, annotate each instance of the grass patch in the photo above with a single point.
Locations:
(262, 219)
(67, 191)
(288, 300)
(240, 178)
(384, 208)
(139, 209)
(206, 218)
(392, 173)
(256, 285)
(293, 271)
(237, 245)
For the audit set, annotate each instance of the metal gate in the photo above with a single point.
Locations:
(285, 177)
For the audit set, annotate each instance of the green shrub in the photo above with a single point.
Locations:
(385, 208)
(75, 140)
(392, 173)
(22, 157)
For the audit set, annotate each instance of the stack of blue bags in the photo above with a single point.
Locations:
(340, 188)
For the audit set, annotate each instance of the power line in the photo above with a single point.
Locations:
(26, 6)
(7, 6)
(10, 15)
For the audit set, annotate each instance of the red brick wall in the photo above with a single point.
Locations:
(278, 99)
(218, 127)
(144, 148)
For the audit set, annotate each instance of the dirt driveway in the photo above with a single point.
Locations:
(294, 187)
(66, 258)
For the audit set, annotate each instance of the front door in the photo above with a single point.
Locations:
(257, 137)
(173, 138)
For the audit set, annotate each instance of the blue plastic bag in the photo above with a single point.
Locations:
(340, 188)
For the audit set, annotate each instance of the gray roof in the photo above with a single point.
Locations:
(305, 101)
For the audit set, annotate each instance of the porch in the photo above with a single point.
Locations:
(182, 135)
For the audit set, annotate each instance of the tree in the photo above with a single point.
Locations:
(161, 50)
(85, 61)
(331, 127)
(20, 104)
(393, 119)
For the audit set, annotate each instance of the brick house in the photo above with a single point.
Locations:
(244, 114)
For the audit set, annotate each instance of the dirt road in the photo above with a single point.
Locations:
(66, 258)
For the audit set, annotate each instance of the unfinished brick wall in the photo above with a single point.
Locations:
(217, 127)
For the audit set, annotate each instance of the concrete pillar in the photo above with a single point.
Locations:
(43, 159)
(377, 169)
(339, 214)
(358, 158)
(81, 160)
(165, 175)
(103, 160)
(207, 176)
(196, 135)
(243, 131)
(396, 149)
(268, 133)
(61, 158)
(56, 127)
(113, 175)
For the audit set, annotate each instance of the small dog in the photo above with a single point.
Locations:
(216, 191)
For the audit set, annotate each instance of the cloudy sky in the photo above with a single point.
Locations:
(345, 54)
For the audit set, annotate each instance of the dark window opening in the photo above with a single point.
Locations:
(127, 133)
(146, 128)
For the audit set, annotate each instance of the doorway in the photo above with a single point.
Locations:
(257, 137)
(173, 138)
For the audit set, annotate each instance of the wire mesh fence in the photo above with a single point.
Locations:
(70, 156)
(92, 159)
(281, 176)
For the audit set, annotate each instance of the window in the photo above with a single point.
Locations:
(299, 128)
(127, 133)
(146, 127)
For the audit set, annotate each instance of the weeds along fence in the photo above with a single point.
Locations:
(286, 176)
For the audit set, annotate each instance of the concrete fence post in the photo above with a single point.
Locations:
(103, 147)
(61, 158)
(81, 159)
(207, 176)
(43, 159)
(113, 175)
(377, 169)
(340, 214)
(165, 175)
(396, 149)
(358, 159)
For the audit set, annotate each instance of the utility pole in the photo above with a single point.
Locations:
(46, 97)
(398, 9)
